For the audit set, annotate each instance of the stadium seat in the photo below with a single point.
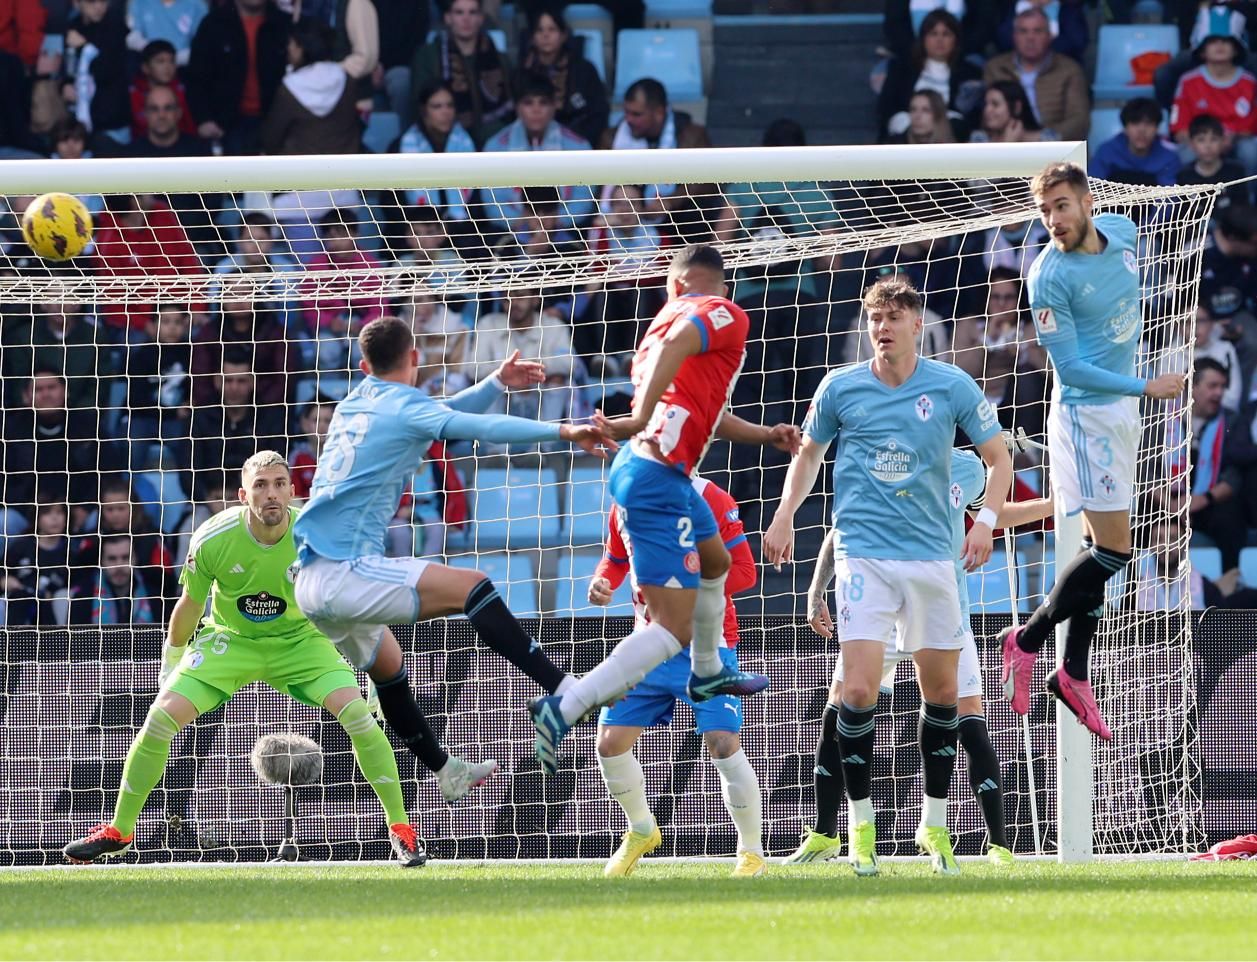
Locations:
(499, 39)
(383, 127)
(1117, 45)
(664, 10)
(670, 56)
(516, 507)
(1248, 567)
(163, 497)
(571, 595)
(1208, 561)
(594, 51)
(587, 508)
(511, 573)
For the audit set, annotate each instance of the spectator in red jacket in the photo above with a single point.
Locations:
(158, 69)
(22, 29)
(139, 236)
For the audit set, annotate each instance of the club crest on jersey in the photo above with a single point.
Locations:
(1128, 259)
(955, 494)
(925, 407)
(892, 462)
(1045, 320)
(692, 564)
(263, 606)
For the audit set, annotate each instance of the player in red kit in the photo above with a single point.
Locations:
(652, 702)
(683, 376)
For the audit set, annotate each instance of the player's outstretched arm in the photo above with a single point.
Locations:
(511, 373)
(682, 341)
(183, 621)
(976, 550)
(783, 437)
(1016, 513)
(778, 543)
(506, 429)
(818, 615)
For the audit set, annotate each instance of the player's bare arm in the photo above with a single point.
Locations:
(1016, 513)
(778, 544)
(976, 550)
(818, 615)
(1166, 387)
(783, 437)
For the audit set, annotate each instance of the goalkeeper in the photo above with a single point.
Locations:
(255, 632)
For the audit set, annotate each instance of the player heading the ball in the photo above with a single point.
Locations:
(683, 376)
(1085, 299)
(894, 419)
(345, 584)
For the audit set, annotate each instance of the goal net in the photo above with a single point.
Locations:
(215, 315)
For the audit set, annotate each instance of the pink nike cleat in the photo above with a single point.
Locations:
(1078, 698)
(1018, 669)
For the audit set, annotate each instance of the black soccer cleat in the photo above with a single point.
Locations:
(103, 841)
(407, 846)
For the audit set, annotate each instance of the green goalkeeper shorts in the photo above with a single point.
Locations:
(219, 662)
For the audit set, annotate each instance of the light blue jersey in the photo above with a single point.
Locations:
(1088, 315)
(377, 439)
(892, 471)
(968, 483)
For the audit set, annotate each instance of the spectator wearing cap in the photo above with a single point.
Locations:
(158, 69)
(579, 92)
(1219, 87)
(1207, 138)
(313, 111)
(1054, 83)
(1136, 155)
(171, 21)
(536, 129)
(936, 63)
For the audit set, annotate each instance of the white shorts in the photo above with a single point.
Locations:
(1093, 449)
(907, 605)
(352, 602)
(968, 671)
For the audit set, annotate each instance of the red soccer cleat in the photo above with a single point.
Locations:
(1018, 669)
(103, 841)
(1078, 698)
(408, 848)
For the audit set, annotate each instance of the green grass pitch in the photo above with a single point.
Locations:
(1147, 910)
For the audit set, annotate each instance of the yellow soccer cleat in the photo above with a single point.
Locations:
(815, 847)
(632, 847)
(998, 855)
(935, 841)
(862, 849)
(749, 865)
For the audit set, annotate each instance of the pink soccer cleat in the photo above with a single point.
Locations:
(1018, 670)
(1078, 698)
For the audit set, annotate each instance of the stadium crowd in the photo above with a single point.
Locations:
(108, 408)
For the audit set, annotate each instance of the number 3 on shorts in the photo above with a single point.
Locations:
(686, 537)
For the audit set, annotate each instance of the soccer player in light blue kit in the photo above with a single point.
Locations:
(344, 583)
(895, 419)
(1084, 296)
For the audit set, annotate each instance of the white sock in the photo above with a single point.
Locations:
(627, 785)
(740, 789)
(934, 811)
(709, 627)
(859, 811)
(629, 662)
(567, 682)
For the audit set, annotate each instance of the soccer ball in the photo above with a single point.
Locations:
(57, 227)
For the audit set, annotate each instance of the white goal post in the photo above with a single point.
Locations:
(933, 199)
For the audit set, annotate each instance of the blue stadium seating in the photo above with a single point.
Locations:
(164, 498)
(1248, 567)
(571, 597)
(511, 573)
(593, 49)
(499, 39)
(587, 508)
(670, 56)
(575, 13)
(665, 10)
(383, 128)
(1117, 45)
(1208, 561)
(517, 507)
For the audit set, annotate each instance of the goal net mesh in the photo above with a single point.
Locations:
(201, 327)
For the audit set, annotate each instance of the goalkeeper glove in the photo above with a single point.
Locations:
(170, 658)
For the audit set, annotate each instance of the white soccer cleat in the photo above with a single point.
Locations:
(459, 777)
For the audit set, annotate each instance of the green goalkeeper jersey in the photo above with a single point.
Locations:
(250, 582)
